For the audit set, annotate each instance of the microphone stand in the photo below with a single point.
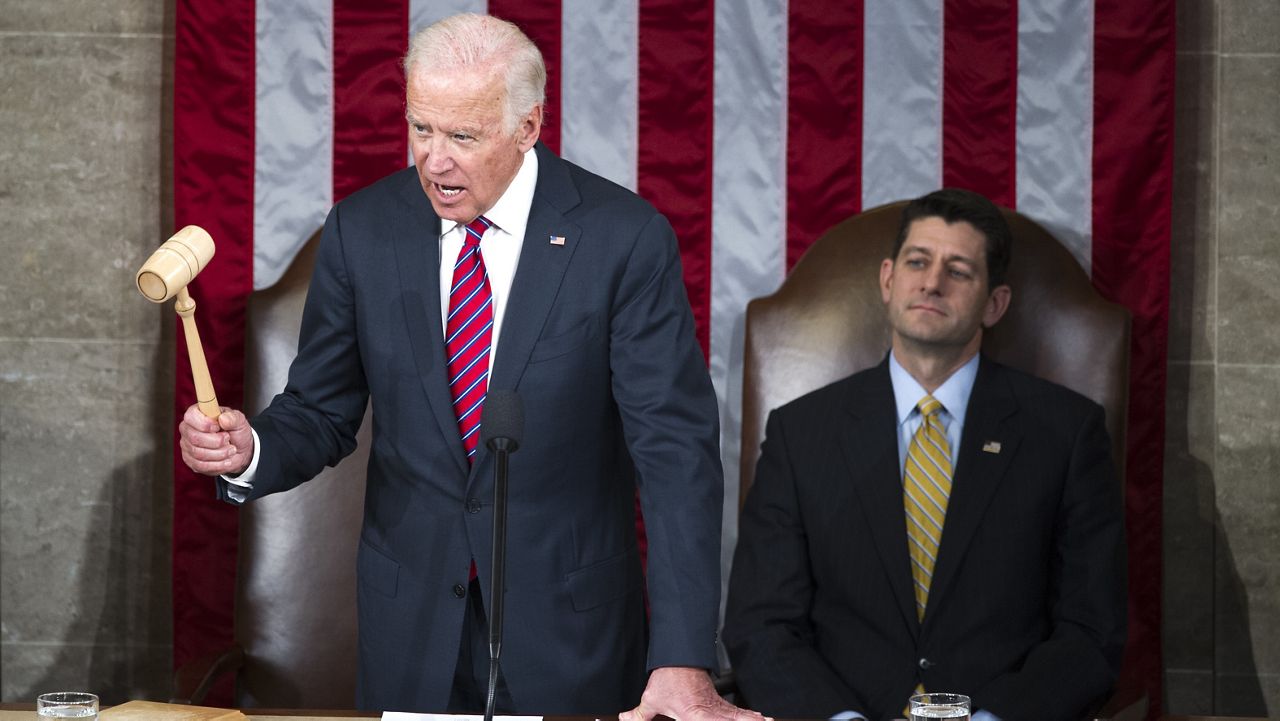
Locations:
(502, 448)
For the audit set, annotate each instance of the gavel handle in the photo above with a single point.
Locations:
(205, 397)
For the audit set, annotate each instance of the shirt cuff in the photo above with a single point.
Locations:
(984, 716)
(244, 480)
(846, 715)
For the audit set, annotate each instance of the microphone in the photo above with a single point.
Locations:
(502, 424)
(501, 428)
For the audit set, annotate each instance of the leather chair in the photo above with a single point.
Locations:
(827, 320)
(295, 613)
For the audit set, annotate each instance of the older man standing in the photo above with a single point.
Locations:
(495, 264)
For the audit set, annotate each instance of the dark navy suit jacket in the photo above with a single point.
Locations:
(1026, 610)
(598, 339)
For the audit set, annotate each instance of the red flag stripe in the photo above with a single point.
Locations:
(675, 93)
(540, 20)
(980, 97)
(1132, 193)
(824, 119)
(213, 131)
(369, 136)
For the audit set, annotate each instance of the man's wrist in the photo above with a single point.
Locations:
(244, 479)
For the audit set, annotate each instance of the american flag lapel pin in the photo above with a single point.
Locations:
(557, 240)
(991, 447)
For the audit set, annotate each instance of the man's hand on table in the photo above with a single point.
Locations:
(685, 694)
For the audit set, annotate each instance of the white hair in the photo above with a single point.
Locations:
(469, 40)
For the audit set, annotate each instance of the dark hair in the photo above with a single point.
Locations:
(955, 205)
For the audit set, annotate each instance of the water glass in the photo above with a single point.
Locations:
(67, 705)
(926, 706)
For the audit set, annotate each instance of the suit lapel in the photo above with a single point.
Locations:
(987, 445)
(541, 268)
(417, 249)
(870, 448)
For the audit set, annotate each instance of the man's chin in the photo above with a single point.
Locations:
(450, 211)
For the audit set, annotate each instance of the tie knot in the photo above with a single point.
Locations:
(929, 406)
(476, 229)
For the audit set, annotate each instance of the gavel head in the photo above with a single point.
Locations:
(175, 264)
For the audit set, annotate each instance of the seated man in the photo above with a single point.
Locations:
(938, 522)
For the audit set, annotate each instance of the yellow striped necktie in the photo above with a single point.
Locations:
(926, 488)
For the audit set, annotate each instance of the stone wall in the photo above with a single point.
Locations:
(1222, 499)
(85, 362)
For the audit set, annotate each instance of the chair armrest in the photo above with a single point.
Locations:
(1127, 702)
(193, 680)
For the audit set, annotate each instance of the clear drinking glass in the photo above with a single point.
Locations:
(67, 705)
(925, 706)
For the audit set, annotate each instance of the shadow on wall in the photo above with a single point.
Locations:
(1215, 620)
(119, 642)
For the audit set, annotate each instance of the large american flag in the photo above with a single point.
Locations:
(754, 125)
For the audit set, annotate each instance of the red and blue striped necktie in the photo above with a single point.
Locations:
(468, 334)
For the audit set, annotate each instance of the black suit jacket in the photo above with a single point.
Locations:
(1026, 612)
(598, 339)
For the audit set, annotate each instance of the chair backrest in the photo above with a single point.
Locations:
(827, 321)
(296, 583)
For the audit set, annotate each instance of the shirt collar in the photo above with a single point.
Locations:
(953, 394)
(511, 212)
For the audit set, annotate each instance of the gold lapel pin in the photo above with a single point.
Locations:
(557, 240)
(991, 447)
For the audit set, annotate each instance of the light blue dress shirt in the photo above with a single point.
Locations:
(953, 394)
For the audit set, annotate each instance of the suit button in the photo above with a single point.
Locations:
(473, 505)
(459, 590)
(926, 664)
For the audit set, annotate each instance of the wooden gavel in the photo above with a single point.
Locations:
(166, 274)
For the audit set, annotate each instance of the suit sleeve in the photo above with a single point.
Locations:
(671, 427)
(314, 422)
(1080, 660)
(768, 632)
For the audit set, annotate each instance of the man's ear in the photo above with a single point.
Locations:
(529, 128)
(886, 278)
(997, 304)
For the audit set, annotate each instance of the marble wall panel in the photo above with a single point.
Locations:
(84, 514)
(116, 17)
(128, 672)
(1247, 597)
(1248, 214)
(1188, 692)
(81, 190)
(1250, 26)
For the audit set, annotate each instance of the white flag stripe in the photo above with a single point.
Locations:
(599, 122)
(748, 216)
(902, 100)
(293, 131)
(1055, 120)
(424, 12)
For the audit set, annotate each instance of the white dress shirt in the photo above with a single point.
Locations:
(500, 246)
